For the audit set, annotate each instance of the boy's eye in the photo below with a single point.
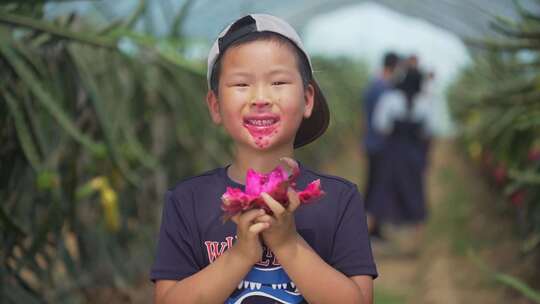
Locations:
(240, 84)
(279, 82)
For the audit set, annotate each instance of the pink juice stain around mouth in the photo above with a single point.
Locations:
(262, 134)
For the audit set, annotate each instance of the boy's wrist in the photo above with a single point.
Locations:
(242, 256)
(288, 250)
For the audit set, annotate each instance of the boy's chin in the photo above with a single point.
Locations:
(270, 144)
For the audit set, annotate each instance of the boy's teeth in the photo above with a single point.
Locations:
(261, 122)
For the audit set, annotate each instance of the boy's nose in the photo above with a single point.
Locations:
(260, 103)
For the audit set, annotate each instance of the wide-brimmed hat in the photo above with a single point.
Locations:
(310, 128)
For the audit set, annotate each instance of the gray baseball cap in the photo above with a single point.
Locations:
(310, 128)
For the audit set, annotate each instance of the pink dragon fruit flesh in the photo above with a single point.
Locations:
(275, 183)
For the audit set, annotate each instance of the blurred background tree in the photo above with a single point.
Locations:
(496, 102)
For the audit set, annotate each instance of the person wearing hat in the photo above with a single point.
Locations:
(263, 93)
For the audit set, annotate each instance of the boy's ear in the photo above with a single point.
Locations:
(213, 107)
(309, 99)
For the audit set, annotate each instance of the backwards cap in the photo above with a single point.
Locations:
(310, 128)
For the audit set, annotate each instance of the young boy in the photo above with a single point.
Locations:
(262, 91)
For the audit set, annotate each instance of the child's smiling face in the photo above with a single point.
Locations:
(262, 99)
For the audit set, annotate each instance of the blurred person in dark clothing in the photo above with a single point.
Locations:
(374, 140)
(405, 117)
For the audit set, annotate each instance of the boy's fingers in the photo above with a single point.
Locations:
(258, 227)
(248, 217)
(274, 205)
(289, 162)
(264, 218)
(270, 220)
(294, 200)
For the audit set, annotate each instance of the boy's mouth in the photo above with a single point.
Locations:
(261, 125)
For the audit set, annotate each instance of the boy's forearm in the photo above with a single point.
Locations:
(317, 281)
(213, 284)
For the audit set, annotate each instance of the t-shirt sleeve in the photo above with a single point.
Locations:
(351, 253)
(175, 258)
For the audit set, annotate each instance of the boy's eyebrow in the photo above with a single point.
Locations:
(280, 70)
(238, 73)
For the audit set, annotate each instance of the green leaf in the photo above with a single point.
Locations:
(519, 286)
(23, 134)
(104, 121)
(505, 279)
(529, 120)
(47, 180)
(525, 176)
(48, 102)
(178, 21)
(531, 243)
(48, 27)
(139, 10)
(9, 224)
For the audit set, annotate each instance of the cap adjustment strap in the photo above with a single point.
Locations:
(238, 30)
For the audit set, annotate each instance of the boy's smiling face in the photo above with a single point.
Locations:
(262, 99)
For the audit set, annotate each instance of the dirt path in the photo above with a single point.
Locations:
(429, 276)
(435, 266)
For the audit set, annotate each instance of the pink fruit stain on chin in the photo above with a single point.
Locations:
(262, 143)
(261, 135)
(275, 183)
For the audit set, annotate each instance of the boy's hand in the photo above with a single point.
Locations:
(248, 228)
(282, 228)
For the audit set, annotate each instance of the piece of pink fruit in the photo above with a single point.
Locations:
(275, 184)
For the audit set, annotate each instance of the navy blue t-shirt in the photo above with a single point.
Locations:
(193, 235)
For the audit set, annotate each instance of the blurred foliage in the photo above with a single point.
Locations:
(342, 80)
(95, 124)
(497, 102)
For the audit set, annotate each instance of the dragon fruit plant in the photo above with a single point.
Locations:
(275, 183)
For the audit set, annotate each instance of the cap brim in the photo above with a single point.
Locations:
(314, 126)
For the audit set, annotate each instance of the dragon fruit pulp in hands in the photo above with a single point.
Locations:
(275, 184)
